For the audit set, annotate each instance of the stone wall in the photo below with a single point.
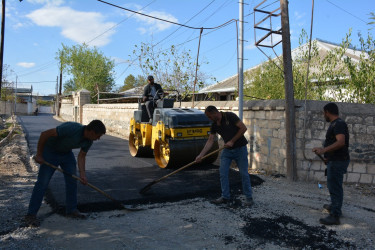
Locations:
(265, 121)
(8, 108)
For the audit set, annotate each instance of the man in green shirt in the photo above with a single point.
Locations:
(55, 146)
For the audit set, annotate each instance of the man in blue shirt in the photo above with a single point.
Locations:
(55, 147)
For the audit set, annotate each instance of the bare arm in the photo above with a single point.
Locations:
(340, 142)
(42, 141)
(207, 147)
(82, 166)
(240, 132)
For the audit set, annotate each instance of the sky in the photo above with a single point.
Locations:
(36, 29)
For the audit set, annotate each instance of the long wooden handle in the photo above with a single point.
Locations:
(148, 186)
(188, 165)
(79, 179)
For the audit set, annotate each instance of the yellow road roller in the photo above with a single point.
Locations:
(175, 137)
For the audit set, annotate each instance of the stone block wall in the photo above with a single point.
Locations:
(265, 121)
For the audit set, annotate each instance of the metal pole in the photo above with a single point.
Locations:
(60, 87)
(2, 43)
(15, 97)
(240, 65)
(290, 126)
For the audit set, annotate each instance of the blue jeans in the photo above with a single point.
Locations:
(240, 156)
(335, 176)
(67, 162)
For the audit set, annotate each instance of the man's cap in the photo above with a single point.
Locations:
(150, 78)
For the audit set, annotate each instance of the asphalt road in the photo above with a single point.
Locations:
(111, 168)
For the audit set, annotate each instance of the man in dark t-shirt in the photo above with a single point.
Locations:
(55, 146)
(336, 154)
(229, 126)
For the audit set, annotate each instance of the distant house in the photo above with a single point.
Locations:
(226, 90)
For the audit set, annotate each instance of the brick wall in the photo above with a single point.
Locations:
(265, 121)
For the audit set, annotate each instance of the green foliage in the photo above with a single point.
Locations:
(133, 82)
(172, 68)
(333, 76)
(88, 68)
(44, 103)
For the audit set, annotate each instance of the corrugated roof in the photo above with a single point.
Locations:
(230, 84)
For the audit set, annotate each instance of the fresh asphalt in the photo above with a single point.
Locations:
(111, 168)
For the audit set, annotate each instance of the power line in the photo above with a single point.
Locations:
(164, 20)
(346, 11)
(186, 22)
(118, 23)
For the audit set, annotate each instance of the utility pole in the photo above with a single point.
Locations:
(15, 97)
(2, 43)
(57, 95)
(59, 99)
(240, 64)
(290, 125)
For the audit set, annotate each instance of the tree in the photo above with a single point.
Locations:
(267, 80)
(133, 82)
(173, 68)
(87, 69)
(333, 77)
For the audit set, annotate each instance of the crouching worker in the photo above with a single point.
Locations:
(229, 126)
(55, 146)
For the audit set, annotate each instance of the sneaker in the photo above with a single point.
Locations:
(31, 221)
(150, 121)
(330, 220)
(76, 215)
(327, 207)
(248, 202)
(221, 200)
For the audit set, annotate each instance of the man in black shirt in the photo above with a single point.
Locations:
(336, 154)
(232, 130)
(151, 95)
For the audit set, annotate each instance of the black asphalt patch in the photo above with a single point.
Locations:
(288, 232)
(111, 168)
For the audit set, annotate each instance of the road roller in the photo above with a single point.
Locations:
(175, 137)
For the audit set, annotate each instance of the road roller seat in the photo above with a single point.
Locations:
(141, 115)
(165, 103)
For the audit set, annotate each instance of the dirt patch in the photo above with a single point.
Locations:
(285, 216)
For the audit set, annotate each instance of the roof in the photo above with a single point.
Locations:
(230, 84)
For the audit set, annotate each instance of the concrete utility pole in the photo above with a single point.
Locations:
(240, 64)
(290, 125)
(59, 99)
(2, 43)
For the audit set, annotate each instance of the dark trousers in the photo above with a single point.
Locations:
(335, 176)
(150, 106)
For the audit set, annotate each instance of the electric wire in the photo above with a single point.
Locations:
(307, 79)
(164, 20)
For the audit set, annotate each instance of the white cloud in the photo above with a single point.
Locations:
(76, 25)
(152, 25)
(47, 2)
(26, 64)
(299, 15)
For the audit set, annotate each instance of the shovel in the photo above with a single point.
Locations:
(128, 208)
(148, 186)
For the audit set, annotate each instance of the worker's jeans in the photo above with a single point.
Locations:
(240, 156)
(67, 162)
(335, 176)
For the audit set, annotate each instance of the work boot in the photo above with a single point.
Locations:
(248, 202)
(220, 200)
(31, 220)
(327, 207)
(76, 215)
(330, 220)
